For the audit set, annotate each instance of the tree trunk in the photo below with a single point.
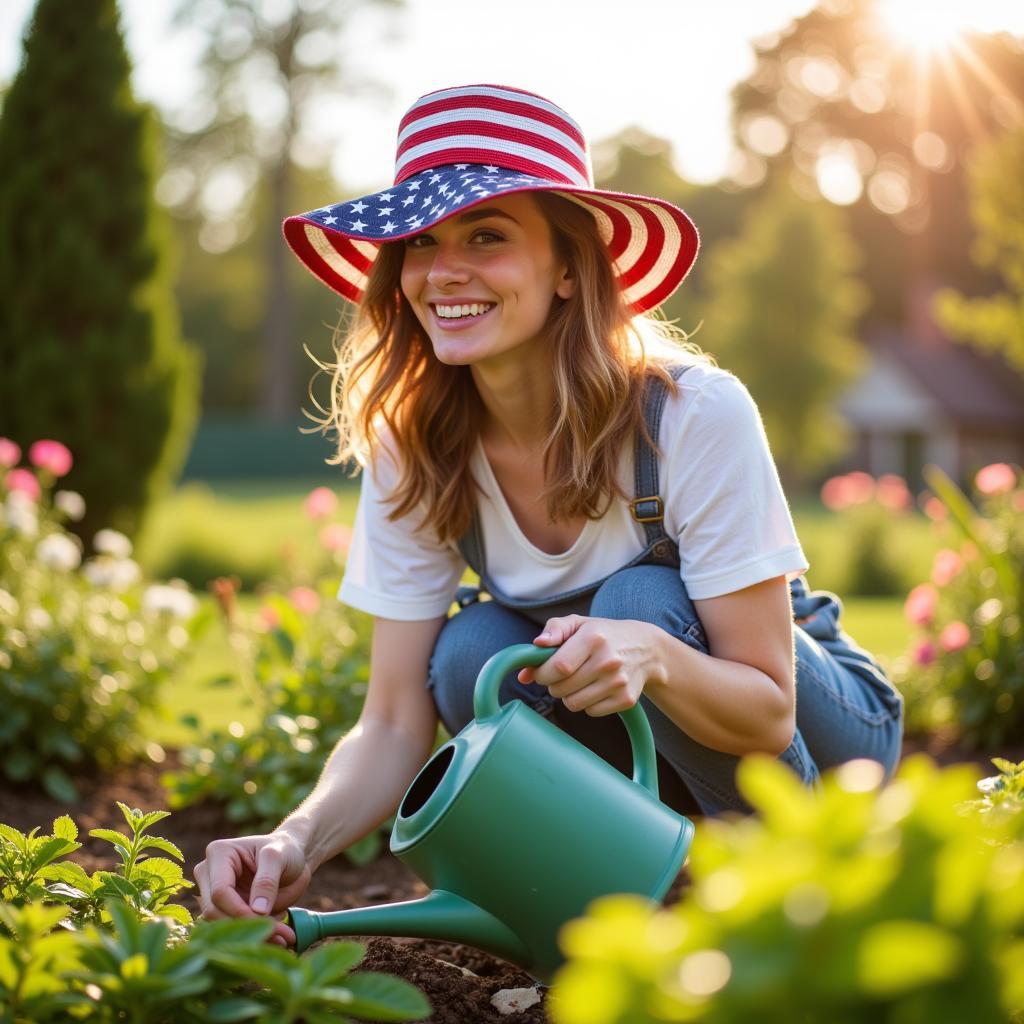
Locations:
(278, 323)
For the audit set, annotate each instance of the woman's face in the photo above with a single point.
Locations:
(482, 282)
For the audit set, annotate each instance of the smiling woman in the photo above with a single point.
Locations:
(516, 409)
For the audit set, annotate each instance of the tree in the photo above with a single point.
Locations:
(780, 316)
(89, 339)
(266, 68)
(839, 103)
(997, 210)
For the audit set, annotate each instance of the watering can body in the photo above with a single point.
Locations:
(517, 827)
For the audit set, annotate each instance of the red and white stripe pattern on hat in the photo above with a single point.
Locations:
(490, 124)
(456, 148)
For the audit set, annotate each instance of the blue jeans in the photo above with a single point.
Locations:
(845, 707)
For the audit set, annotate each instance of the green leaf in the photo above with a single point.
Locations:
(333, 960)
(17, 839)
(161, 844)
(236, 1008)
(52, 848)
(65, 828)
(385, 997)
(117, 838)
(56, 782)
(69, 873)
(896, 956)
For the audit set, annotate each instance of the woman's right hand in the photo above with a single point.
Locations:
(253, 877)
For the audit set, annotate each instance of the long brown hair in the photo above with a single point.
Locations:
(387, 382)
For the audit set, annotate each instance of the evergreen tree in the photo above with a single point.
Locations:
(780, 316)
(90, 352)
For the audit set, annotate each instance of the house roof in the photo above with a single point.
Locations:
(973, 389)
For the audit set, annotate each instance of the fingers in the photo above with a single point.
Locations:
(220, 877)
(267, 880)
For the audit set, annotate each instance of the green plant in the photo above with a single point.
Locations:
(1003, 793)
(965, 671)
(84, 648)
(29, 870)
(112, 949)
(845, 906)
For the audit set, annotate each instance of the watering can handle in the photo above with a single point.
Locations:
(485, 703)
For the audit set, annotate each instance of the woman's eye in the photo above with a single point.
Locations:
(489, 236)
(418, 241)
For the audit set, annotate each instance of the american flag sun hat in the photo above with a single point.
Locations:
(459, 147)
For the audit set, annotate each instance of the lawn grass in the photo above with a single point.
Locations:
(254, 528)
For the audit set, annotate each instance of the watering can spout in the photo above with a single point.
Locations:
(440, 915)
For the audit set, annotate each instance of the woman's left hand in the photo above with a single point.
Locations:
(602, 666)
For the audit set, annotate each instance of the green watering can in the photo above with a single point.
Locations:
(516, 827)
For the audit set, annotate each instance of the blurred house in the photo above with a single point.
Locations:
(926, 399)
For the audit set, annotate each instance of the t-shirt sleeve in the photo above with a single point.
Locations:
(724, 494)
(396, 570)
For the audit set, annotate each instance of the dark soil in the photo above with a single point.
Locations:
(458, 980)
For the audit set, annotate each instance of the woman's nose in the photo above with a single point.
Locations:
(447, 267)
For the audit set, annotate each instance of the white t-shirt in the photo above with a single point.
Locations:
(724, 506)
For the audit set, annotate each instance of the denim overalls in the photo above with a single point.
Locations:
(845, 706)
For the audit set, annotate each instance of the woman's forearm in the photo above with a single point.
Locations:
(360, 786)
(724, 705)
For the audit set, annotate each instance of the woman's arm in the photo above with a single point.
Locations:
(360, 786)
(738, 699)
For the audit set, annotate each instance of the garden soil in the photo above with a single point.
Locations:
(458, 980)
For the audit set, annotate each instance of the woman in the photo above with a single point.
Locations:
(516, 411)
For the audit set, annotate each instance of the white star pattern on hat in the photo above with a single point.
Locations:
(330, 220)
(358, 225)
(385, 197)
(358, 207)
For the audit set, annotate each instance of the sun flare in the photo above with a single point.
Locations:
(924, 27)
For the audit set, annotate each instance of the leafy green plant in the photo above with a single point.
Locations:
(84, 648)
(1003, 794)
(842, 906)
(108, 947)
(30, 870)
(965, 671)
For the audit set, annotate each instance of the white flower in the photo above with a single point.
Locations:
(59, 551)
(71, 503)
(110, 542)
(174, 600)
(38, 619)
(22, 514)
(116, 573)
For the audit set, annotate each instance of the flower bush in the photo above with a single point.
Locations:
(109, 947)
(84, 648)
(965, 669)
(866, 508)
(849, 905)
(303, 662)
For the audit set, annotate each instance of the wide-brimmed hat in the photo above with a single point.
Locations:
(458, 148)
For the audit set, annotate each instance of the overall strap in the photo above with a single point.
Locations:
(647, 507)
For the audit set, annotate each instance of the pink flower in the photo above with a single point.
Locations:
(10, 453)
(51, 456)
(892, 492)
(935, 509)
(919, 607)
(321, 502)
(269, 617)
(998, 478)
(835, 493)
(954, 636)
(946, 564)
(23, 480)
(860, 486)
(304, 599)
(924, 652)
(336, 537)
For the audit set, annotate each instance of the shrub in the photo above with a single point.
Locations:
(84, 648)
(866, 508)
(118, 953)
(844, 906)
(965, 670)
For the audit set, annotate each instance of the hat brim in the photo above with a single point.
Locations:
(652, 243)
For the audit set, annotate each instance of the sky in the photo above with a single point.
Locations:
(665, 65)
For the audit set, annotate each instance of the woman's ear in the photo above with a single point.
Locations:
(566, 284)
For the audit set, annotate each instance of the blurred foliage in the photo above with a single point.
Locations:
(838, 82)
(247, 133)
(783, 294)
(844, 906)
(965, 671)
(997, 210)
(89, 337)
(84, 649)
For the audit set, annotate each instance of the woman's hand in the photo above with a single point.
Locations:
(603, 664)
(253, 877)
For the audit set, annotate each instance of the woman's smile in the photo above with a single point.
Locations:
(459, 316)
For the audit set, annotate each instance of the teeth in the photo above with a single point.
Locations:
(456, 312)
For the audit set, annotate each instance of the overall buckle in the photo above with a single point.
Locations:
(647, 510)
